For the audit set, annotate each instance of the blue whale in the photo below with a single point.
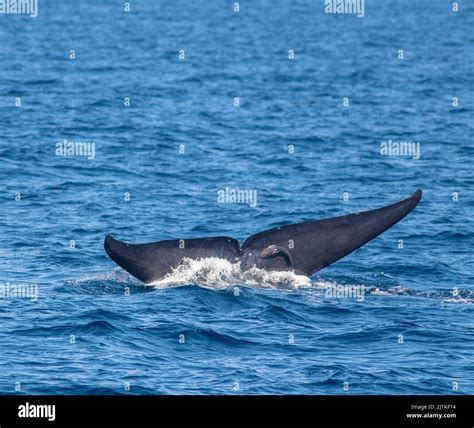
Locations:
(303, 248)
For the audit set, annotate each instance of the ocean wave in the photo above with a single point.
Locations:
(220, 274)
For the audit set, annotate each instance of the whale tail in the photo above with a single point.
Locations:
(314, 245)
(304, 247)
(150, 262)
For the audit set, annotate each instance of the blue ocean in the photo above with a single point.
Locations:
(317, 114)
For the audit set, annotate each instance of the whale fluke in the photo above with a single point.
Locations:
(149, 262)
(314, 245)
(304, 248)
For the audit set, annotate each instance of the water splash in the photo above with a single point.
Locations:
(218, 273)
(117, 275)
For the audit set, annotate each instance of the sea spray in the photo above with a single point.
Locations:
(218, 273)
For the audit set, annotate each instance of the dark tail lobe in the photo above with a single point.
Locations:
(319, 243)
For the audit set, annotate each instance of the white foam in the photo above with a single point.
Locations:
(218, 273)
(457, 300)
(379, 292)
(116, 275)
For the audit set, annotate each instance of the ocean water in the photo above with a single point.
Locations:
(168, 136)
